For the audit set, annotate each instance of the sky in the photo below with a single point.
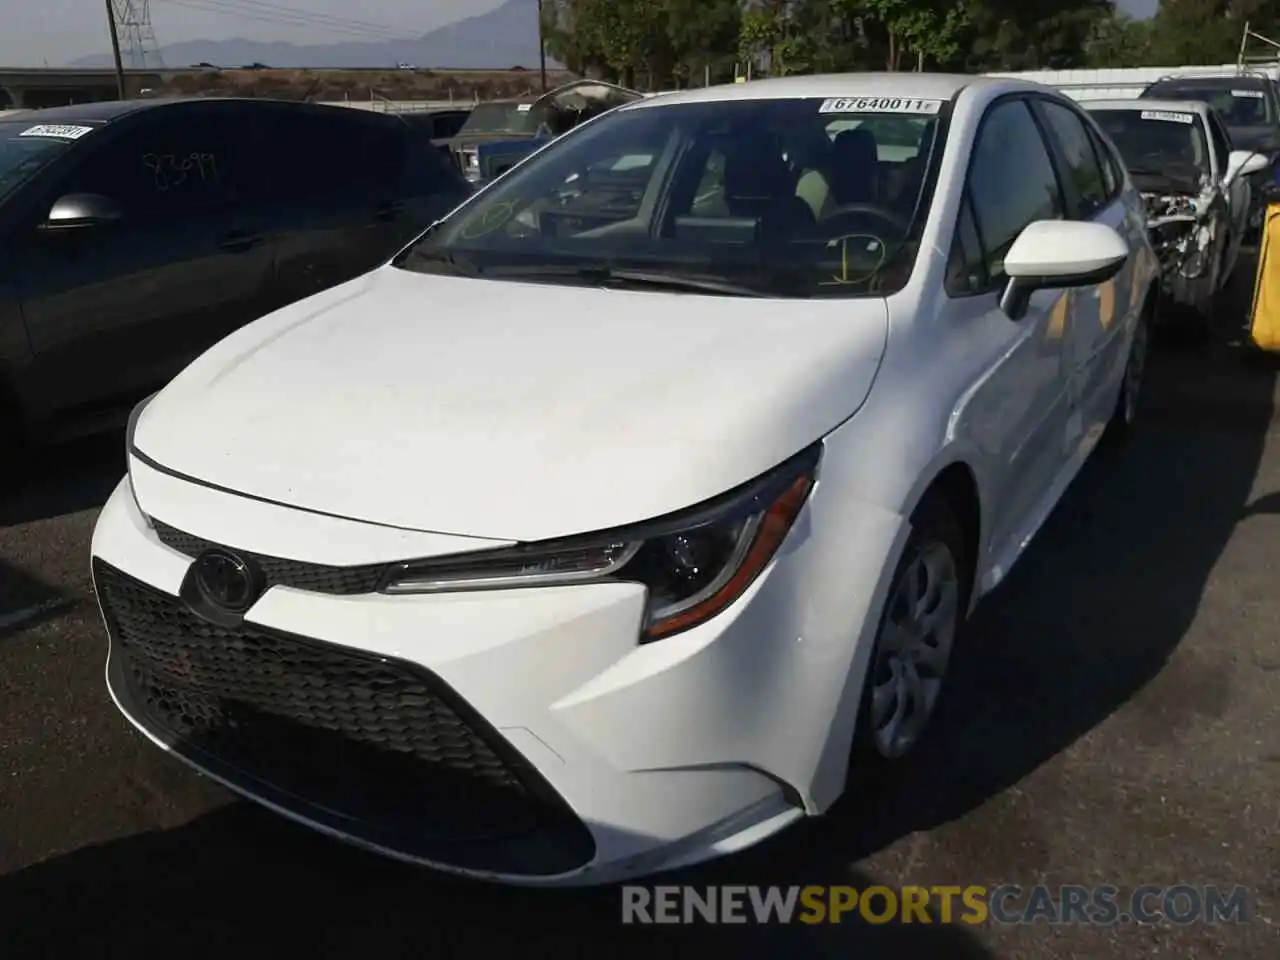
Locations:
(59, 31)
(64, 30)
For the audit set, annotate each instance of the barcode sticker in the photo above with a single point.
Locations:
(61, 131)
(880, 105)
(1251, 94)
(1168, 116)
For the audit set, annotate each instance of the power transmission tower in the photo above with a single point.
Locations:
(137, 37)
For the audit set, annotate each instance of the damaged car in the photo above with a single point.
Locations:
(1195, 189)
(501, 133)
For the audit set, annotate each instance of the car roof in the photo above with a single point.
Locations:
(1235, 80)
(109, 110)
(923, 86)
(1150, 103)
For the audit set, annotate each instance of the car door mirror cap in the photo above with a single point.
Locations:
(1059, 254)
(80, 211)
(1244, 163)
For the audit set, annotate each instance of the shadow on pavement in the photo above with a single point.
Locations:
(67, 478)
(26, 600)
(240, 883)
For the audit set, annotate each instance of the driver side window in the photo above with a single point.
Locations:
(1011, 181)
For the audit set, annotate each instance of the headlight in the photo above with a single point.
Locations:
(694, 563)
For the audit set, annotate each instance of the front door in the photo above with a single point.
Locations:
(116, 310)
(1095, 343)
(1020, 406)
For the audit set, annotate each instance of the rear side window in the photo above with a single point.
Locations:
(1011, 180)
(1082, 170)
(1112, 178)
(326, 157)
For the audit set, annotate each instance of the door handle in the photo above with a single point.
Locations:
(388, 209)
(239, 240)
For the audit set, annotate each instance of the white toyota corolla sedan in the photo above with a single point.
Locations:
(596, 533)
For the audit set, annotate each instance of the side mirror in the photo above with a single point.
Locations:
(80, 211)
(1056, 254)
(1244, 163)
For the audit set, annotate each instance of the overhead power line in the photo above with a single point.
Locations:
(261, 11)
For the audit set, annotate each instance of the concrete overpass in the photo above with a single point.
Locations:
(30, 88)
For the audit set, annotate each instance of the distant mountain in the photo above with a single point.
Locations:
(505, 37)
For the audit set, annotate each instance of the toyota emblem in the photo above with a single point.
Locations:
(225, 580)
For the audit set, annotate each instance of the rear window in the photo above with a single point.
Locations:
(25, 148)
(500, 118)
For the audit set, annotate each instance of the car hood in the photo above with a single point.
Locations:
(511, 410)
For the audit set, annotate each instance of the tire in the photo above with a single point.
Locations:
(910, 660)
(1125, 415)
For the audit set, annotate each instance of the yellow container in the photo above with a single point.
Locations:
(1264, 320)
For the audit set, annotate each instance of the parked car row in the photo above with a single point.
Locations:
(634, 510)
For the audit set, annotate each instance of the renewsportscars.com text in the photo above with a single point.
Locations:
(1102, 905)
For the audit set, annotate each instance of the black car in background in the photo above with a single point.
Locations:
(135, 235)
(1249, 104)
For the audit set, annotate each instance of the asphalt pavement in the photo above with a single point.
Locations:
(1114, 720)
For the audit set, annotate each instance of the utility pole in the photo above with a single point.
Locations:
(542, 51)
(115, 50)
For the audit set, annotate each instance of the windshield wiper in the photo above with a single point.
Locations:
(611, 277)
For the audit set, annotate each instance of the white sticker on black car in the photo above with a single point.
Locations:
(1168, 116)
(880, 105)
(60, 131)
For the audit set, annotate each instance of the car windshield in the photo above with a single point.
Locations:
(499, 118)
(789, 198)
(1241, 105)
(26, 147)
(1152, 140)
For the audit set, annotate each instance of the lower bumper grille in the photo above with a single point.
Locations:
(377, 749)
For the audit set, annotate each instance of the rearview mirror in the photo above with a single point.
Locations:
(80, 211)
(1244, 163)
(1056, 254)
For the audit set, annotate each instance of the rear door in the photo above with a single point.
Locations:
(1095, 341)
(337, 203)
(117, 310)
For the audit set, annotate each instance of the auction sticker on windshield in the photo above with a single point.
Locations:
(1168, 116)
(60, 131)
(1251, 94)
(880, 105)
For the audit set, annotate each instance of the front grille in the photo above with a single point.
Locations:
(378, 749)
(278, 571)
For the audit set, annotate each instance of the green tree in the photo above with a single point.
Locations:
(1119, 40)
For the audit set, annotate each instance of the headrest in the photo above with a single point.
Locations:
(855, 147)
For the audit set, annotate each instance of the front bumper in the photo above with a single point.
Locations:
(517, 735)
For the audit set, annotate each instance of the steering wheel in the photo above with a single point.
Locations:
(856, 215)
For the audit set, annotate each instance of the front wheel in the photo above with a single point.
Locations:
(926, 605)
